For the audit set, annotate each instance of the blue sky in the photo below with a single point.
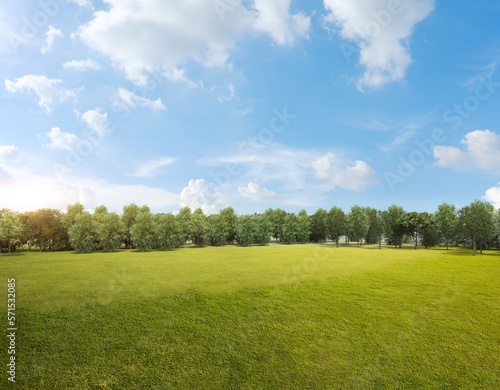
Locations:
(253, 104)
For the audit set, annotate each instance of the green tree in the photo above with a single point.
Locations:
(263, 229)
(218, 230)
(31, 229)
(392, 227)
(183, 220)
(142, 232)
(415, 224)
(477, 223)
(11, 228)
(129, 217)
(83, 234)
(198, 228)
(303, 227)
(358, 223)
(167, 232)
(446, 222)
(336, 224)
(430, 235)
(290, 229)
(110, 231)
(246, 230)
(231, 221)
(319, 228)
(277, 218)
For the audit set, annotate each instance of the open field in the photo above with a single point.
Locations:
(275, 317)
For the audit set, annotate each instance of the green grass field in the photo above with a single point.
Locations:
(276, 317)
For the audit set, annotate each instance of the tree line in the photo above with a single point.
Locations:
(476, 225)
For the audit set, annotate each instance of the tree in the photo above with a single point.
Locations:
(336, 224)
(246, 230)
(303, 227)
(263, 229)
(218, 230)
(231, 221)
(290, 229)
(198, 228)
(319, 230)
(392, 228)
(358, 223)
(167, 232)
(31, 229)
(477, 222)
(82, 233)
(277, 218)
(10, 228)
(110, 231)
(375, 226)
(431, 236)
(415, 224)
(129, 217)
(183, 220)
(446, 222)
(142, 232)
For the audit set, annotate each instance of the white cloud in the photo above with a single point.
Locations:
(96, 121)
(82, 3)
(129, 99)
(381, 28)
(17, 192)
(493, 196)
(162, 36)
(82, 65)
(9, 153)
(202, 194)
(50, 36)
(49, 91)
(231, 96)
(151, 168)
(482, 152)
(275, 19)
(358, 177)
(62, 140)
(256, 193)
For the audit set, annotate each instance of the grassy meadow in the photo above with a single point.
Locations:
(276, 317)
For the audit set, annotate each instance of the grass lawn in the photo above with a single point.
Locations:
(276, 317)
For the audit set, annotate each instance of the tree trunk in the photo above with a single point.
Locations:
(481, 246)
(474, 248)
(416, 241)
(337, 242)
(446, 244)
(379, 242)
(358, 242)
(9, 247)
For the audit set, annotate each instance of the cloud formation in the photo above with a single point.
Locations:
(151, 168)
(202, 194)
(161, 36)
(126, 98)
(482, 152)
(358, 177)
(48, 91)
(50, 36)
(82, 65)
(9, 153)
(96, 121)
(381, 29)
(61, 140)
(493, 196)
(256, 193)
